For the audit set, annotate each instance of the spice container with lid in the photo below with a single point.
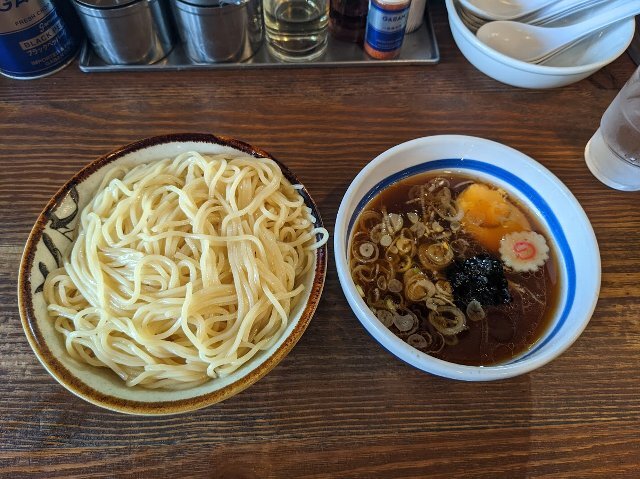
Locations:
(37, 38)
(219, 30)
(386, 23)
(126, 31)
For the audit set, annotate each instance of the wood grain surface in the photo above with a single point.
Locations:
(338, 405)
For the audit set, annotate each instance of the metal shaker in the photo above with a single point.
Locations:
(127, 31)
(219, 30)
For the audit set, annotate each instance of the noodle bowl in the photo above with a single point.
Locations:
(184, 269)
(550, 204)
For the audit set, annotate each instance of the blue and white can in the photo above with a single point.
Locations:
(35, 39)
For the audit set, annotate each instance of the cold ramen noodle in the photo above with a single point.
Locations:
(455, 267)
(184, 269)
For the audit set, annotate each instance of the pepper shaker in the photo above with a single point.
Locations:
(386, 24)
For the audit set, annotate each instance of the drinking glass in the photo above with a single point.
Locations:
(613, 153)
(296, 30)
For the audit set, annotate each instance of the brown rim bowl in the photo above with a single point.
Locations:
(53, 234)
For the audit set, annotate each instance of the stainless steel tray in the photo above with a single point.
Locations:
(419, 48)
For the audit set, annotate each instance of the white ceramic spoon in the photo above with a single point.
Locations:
(560, 9)
(529, 43)
(552, 13)
(504, 9)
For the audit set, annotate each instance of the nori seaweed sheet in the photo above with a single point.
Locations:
(479, 278)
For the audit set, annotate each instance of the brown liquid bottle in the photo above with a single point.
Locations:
(348, 19)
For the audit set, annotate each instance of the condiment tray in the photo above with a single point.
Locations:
(419, 48)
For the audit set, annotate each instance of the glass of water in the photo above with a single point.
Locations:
(296, 30)
(613, 153)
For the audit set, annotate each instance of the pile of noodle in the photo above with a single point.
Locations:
(184, 269)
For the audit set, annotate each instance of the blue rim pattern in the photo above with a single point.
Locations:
(522, 187)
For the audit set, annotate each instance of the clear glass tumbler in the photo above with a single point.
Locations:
(296, 30)
(613, 153)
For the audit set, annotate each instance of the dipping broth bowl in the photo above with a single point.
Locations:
(530, 184)
(52, 236)
(574, 64)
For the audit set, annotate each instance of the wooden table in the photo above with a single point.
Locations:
(338, 405)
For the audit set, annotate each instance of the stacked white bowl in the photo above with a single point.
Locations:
(576, 63)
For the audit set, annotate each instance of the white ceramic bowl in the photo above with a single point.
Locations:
(536, 188)
(52, 236)
(571, 66)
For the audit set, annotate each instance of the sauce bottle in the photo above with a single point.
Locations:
(348, 19)
(386, 23)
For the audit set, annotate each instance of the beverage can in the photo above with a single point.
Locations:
(35, 39)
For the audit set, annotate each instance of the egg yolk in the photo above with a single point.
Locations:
(488, 215)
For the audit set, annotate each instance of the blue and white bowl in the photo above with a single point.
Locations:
(532, 185)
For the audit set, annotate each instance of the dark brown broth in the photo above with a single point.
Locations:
(508, 330)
